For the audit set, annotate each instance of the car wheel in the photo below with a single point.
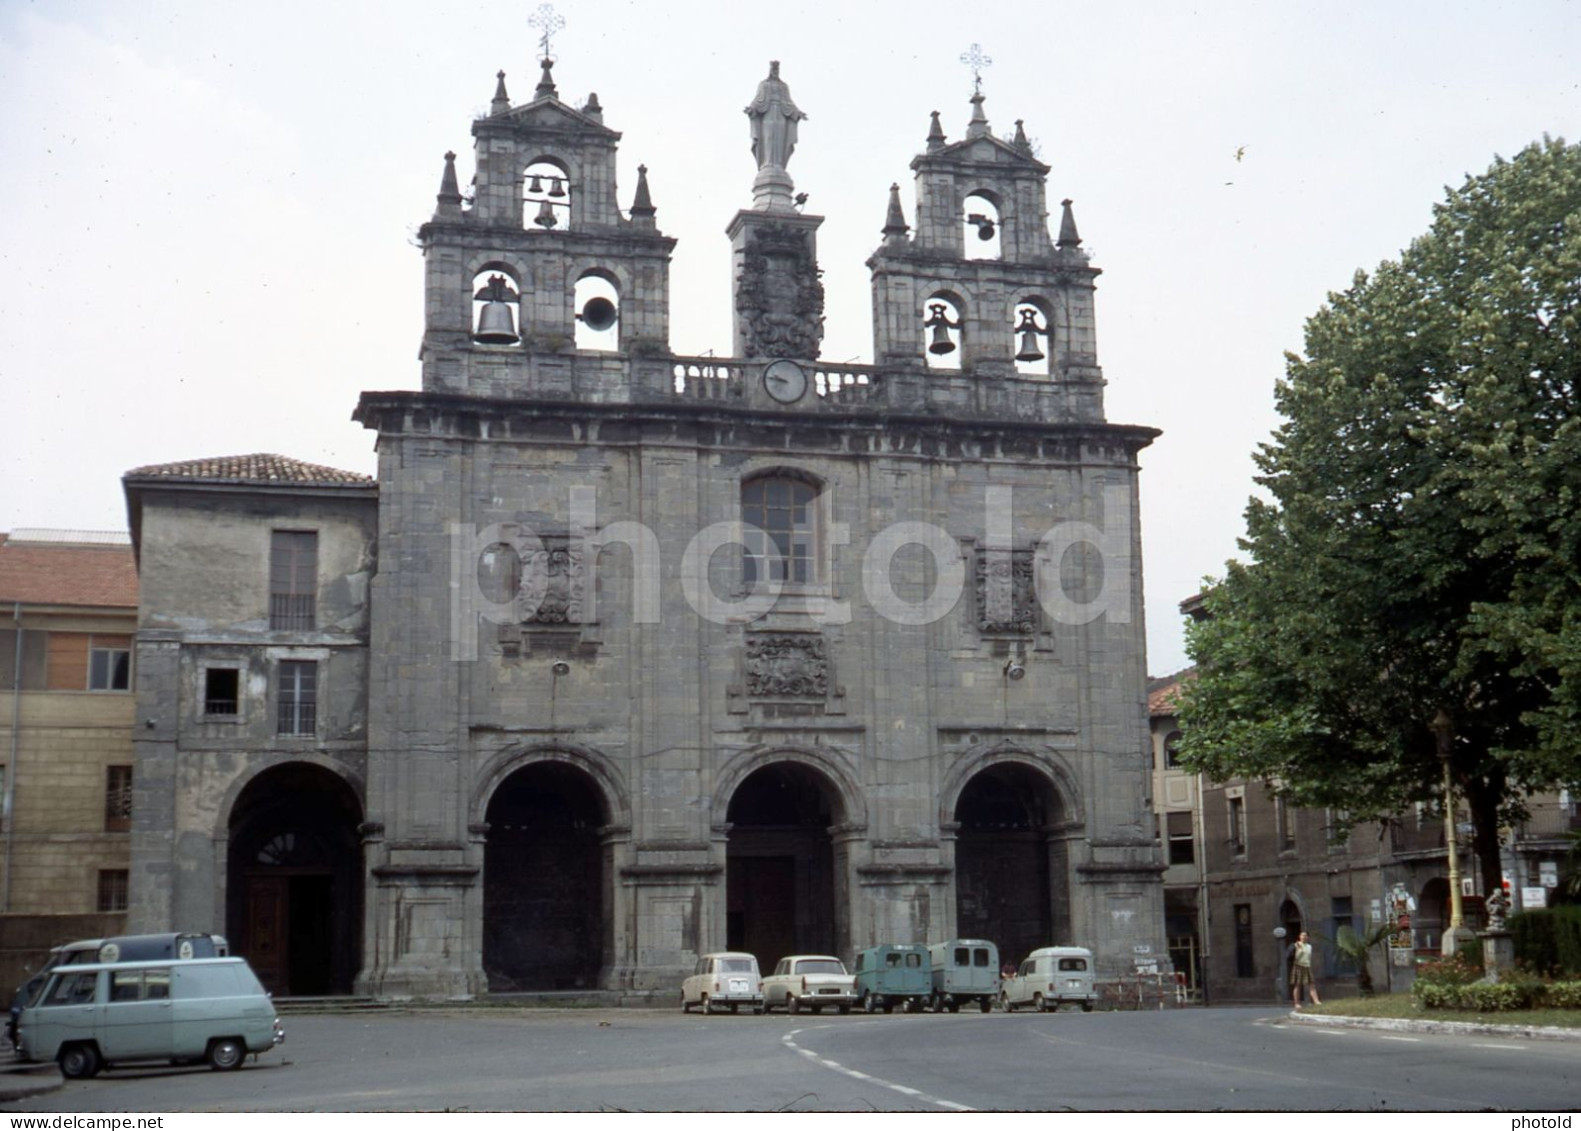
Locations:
(870, 1004)
(792, 1003)
(984, 1004)
(1004, 1003)
(226, 1054)
(938, 1005)
(1038, 1004)
(708, 1006)
(78, 1062)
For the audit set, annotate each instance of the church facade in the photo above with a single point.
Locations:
(625, 656)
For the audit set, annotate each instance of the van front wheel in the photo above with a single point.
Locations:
(226, 1054)
(79, 1062)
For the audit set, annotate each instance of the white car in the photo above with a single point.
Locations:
(729, 978)
(809, 981)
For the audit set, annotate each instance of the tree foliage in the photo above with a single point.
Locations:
(1419, 548)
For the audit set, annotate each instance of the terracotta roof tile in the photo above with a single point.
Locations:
(260, 467)
(1163, 693)
(63, 573)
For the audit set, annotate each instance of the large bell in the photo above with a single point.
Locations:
(598, 313)
(939, 322)
(546, 217)
(1028, 329)
(496, 325)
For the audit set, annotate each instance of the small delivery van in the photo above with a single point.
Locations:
(1049, 977)
(98, 1015)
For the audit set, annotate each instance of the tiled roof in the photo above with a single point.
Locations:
(1164, 691)
(260, 467)
(91, 573)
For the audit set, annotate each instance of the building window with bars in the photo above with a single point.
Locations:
(221, 693)
(117, 798)
(114, 887)
(298, 697)
(293, 580)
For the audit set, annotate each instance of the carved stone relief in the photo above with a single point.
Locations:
(779, 295)
(787, 665)
(1006, 595)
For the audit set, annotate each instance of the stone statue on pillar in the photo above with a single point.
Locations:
(774, 117)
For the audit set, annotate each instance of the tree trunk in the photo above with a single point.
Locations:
(1483, 797)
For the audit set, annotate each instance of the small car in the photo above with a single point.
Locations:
(809, 981)
(1049, 977)
(893, 974)
(964, 971)
(728, 978)
(90, 1016)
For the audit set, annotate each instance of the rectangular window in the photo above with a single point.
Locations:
(110, 664)
(1245, 967)
(221, 692)
(1182, 838)
(117, 798)
(298, 697)
(1286, 819)
(113, 889)
(1338, 829)
(1237, 836)
(778, 536)
(293, 580)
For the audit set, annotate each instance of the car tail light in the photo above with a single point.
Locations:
(804, 987)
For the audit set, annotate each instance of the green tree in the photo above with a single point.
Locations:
(1419, 548)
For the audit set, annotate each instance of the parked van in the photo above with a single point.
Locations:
(891, 975)
(98, 1015)
(1049, 977)
(964, 971)
(118, 948)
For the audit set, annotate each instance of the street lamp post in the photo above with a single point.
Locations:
(1456, 932)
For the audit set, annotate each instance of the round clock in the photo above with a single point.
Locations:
(785, 381)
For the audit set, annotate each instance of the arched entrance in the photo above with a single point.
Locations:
(1007, 886)
(294, 880)
(780, 875)
(545, 881)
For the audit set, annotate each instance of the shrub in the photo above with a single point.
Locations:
(1485, 997)
(1548, 939)
(1564, 995)
(1457, 970)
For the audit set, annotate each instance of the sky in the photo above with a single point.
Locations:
(208, 209)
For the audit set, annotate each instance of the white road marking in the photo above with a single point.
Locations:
(1412, 1040)
(789, 1040)
(1512, 1048)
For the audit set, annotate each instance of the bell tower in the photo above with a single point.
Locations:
(536, 282)
(979, 290)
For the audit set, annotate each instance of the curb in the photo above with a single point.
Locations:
(19, 1084)
(1454, 1028)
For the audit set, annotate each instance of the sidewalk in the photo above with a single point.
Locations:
(1458, 1028)
(18, 1080)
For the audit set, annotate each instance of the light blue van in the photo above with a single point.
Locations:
(99, 1015)
(893, 974)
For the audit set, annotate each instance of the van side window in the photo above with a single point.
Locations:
(861, 960)
(892, 959)
(913, 960)
(1073, 964)
(979, 956)
(1027, 968)
(156, 985)
(126, 985)
(72, 989)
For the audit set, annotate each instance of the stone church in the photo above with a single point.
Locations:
(626, 656)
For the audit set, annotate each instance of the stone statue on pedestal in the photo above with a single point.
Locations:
(774, 117)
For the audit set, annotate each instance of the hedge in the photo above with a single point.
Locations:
(1548, 940)
(1485, 997)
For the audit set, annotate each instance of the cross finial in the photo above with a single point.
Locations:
(976, 60)
(548, 21)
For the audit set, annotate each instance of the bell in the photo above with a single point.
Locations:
(546, 217)
(598, 313)
(939, 322)
(1030, 350)
(941, 339)
(985, 225)
(536, 186)
(496, 326)
(556, 187)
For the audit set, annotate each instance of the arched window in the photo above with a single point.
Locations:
(942, 331)
(981, 234)
(1033, 338)
(597, 313)
(779, 538)
(546, 197)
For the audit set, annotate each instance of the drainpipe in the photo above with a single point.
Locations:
(16, 749)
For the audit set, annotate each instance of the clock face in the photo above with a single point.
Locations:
(785, 381)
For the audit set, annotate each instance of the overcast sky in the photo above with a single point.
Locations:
(207, 209)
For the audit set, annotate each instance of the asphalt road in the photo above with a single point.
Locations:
(650, 1060)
